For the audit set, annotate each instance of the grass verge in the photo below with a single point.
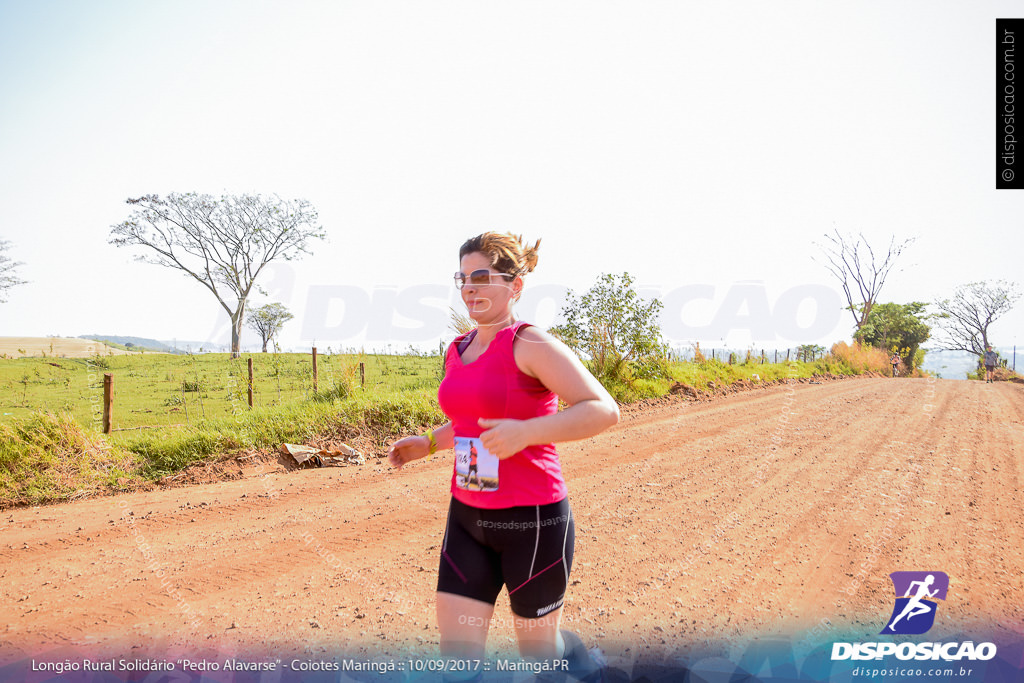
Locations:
(49, 457)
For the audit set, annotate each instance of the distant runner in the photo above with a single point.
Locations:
(515, 528)
(473, 462)
(990, 363)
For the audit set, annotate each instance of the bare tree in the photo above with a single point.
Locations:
(964, 319)
(268, 320)
(222, 243)
(860, 272)
(7, 267)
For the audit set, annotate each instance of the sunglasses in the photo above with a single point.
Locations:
(477, 278)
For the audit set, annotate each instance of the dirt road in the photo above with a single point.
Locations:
(773, 511)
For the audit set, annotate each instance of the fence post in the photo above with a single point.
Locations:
(787, 355)
(362, 374)
(108, 401)
(250, 381)
(314, 370)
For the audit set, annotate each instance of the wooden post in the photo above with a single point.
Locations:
(787, 355)
(108, 401)
(776, 355)
(314, 370)
(362, 374)
(250, 381)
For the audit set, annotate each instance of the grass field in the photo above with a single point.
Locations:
(155, 389)
(172, 411)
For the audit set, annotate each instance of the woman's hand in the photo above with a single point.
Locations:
(408, 449)
(505, 437)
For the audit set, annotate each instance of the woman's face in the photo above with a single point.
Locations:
(491, 302)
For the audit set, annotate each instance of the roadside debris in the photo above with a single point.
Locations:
(324, 457)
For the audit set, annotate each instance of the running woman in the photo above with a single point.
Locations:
(500, 390)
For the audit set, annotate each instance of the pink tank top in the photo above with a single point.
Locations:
(492, 386)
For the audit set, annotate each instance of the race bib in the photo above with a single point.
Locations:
(476, 468)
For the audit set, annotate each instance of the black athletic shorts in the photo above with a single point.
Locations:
(527, 548)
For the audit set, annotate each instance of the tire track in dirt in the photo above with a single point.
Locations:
(799, 471)
(735, 462)
(963, 519)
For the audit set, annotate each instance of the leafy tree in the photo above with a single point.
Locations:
(222, 243)
(810, 352)
(965, 318)
(859, 271)
(897, 328)
(613, 327)
(7, 267)
(267, 321)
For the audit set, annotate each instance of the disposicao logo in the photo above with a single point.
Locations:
(914, 611)
(913, 614)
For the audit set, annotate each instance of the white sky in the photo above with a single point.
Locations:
(699, 146)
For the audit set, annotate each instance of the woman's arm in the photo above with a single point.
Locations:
(412, 448)
(445, 436)
(591, 408)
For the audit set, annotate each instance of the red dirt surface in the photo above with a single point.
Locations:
(692, 529)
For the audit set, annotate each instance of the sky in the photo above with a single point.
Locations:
(704, 148)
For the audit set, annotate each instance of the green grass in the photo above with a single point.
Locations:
(155, 389)
(379, 416)
(700, 374)
(51, 448)
(48, 457)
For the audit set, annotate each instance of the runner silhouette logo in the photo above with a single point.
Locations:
(916, 595)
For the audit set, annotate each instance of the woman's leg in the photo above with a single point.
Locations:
(537, 561)
(540, 638)
(463, 623)
(468, 582)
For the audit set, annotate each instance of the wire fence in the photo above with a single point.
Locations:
(806, 353)
(157, 390)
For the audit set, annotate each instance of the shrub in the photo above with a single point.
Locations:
(343, 387)
(47, 456)
(855, 359)
(612, 327)
(192, 385)
(651, 367)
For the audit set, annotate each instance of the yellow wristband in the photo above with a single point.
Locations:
(433, 442)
